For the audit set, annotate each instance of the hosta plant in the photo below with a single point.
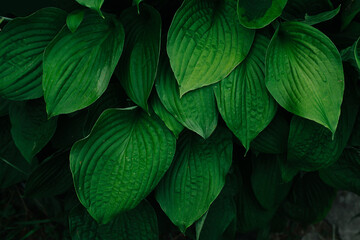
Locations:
(157, 119)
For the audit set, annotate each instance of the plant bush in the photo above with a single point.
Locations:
(149, 119)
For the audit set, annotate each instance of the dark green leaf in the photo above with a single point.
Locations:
(4, 106)
(122, 160)
(137, 224)
(74, 19)
(321, 17)
(78, 66)
(304, 73)
(206, 42)
(196, 176)
(195, 110)
(297, 9)
(261, 14)
(92, 4)
(242, 98)
(30, 128)
(350, 10)
(22, 43)
(138, 64)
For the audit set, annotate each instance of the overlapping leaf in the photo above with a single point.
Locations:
(242, 98)
(30, 127)
(321, 17)
(78, 66)
(120, 162)
(304, 73)
(206, 42)
(137, 224)
(196, 176)
(93, 4)
(260, 14)
(138, 64)
(22, 43)
(196, 110)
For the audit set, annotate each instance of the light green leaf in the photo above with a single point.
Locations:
(22, 43)
(344, 173)
(266, 181)
(311, 146)
(138, 63)
(321, 17)
(206, 42)
(196, 176)
(196, 110)
(51, 177)
(304, 73)
(78, 66)
(242, 98)
(74, 19)
(120, 162)
(93, 4)
(273, 139)
(30, 128)
(165, 116)
(260, 14)
(137, 224)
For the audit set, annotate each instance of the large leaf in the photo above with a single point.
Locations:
(304, 73)
(344, 173)
(309, 200)
(273, 139)
(260, 14)
(93, 4)
(120, 162)
(30, 128)
(137, 224)
(242, 98)
(22, 43)
(138, 64)
(266, 181)
(206, 42)
(196, 110)
(312, 147)
(196, 176)
(78, 66)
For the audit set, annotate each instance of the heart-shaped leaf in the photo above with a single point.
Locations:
(304, 73)
(78, 66)
(137, 224)
(138, 63)
(196, 110)
(206, 42)
(242, 98)
(22, 43)
(196, 176)
(261, 14)
(120, 162)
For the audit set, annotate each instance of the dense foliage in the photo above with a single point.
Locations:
(153, 119)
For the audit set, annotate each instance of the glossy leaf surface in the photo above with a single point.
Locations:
(206, 42)
(120, 162)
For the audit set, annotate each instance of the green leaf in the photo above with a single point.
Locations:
(311, 146)
(30, 128)
(74, 19)
(175, 127)
(206, 42)
(78, 66)
(266, 181)
(310, 199)
(93, 4)
(273, 139)
(350, 10)
(321, 17)
(139, 61)
(122, 160)
(344, 173)
(297, 9)
(304, 73)
(196, 176)
(242, 98)
(22, 43)
(196, 110)
(260, 14)
(137, 224)
(51, 177)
